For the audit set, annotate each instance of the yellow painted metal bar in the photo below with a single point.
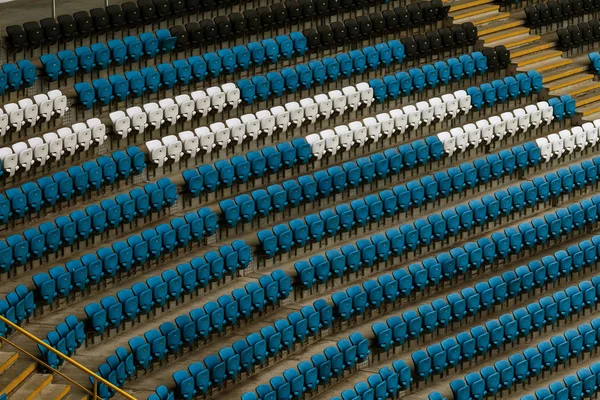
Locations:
(97, 378)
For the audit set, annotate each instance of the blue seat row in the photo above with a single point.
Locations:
(162, 393)
(308, 375)
(31, 197)
(66, 338)
(159, 291)
(584, 383)
(384, 384)
(257, 347)
(595, 61)
(564, 106)
(13, 77)
(106, 262)
(101, 55)
(200, 324)
(17, 306)
(49, 237)
(314, 227)
(253, 165)
(529, 363)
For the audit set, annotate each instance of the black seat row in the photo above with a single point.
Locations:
(578, 34)
(558, 10)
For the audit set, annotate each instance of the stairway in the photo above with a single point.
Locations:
(20, 380)
(561, 75)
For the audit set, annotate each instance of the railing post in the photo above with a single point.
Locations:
(95, 389)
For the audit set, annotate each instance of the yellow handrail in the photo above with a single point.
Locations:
(69, 360)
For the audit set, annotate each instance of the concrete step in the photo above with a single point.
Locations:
(473, 12)
(547, 65)
(504, 34)
(7, 359)
(14, 376)
(54, 392)
(537, 57)
(488, 19)
(32, 387)
(563, 72)
(528, 47)
(464, 4)
(499, 26)
(589, 110)
(587, 98)
(568, 81)
(575, 90)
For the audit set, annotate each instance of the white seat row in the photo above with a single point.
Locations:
(567, 141)
(496, 127)
(65, 142)
(43, 107)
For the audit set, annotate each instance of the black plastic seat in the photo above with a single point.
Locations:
(132, 13)
(68, 27)
(280, 14)
(194, 34)
(85, 23)
(441, 9)
(403, 17)
(564, 38)
(252, 20)
(391, 21)
(35, 35)
(378, 22)
(365, 25)
(294, 10)
(313, 39)
(532, 16)
(163, 9)
(16, 37)
(266, 17)
(566, 10)
(178, 7)
(423, 48)
(181, 34)
(549, 12)
(575, 35)
(416, 15)
(492, 58)
(192, 6)
(308, 9)
(410, 47)
(101, 20)
(334, 6)
(339, 32)
(352, 29)
(209, 30)
(470, 32)
(51, 30)
(321, 7)
(460, 36)
(238, 24)
(326, 35)
(435, 41)
(447, 38)
(147, 10)
(577, 7)
(116, 17)
(427, 11)
(595, 25)
(503, 55)
(223, 26)
(587, 35)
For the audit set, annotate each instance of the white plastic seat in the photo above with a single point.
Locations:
(282, 117)
(45, 107)
(448, 142)
(346, 137)
(439, 108)
(10, 161)
(311, 110)
(121, 123)
(387, 124)
(366, 93)
(487, 130)
(317, 145)
(373, 129)
(232, 94)
(499, 127)
(15, 116)
(40, 150)
(545, 148)
(154, 115)
(59, 102)
(190, 143)
(138, 119)
(55, 145)
(535, 115)
(3, 123)
(338, 100)
(157, 152)
(202, 102)
(252, 126)
(451, 104)
(473, 134)
(206, 138)
(296, 113)
(511, 122)
(237, 130)
(591, 133)
(174, 147)
(568, 140)
(170, 110)
(352, 97)
(84, 135)
(558, 145)
(221, 132)
(217, 98)
(267, 122)
(426, 112)
(523, 119)
(69, 140)
(98, 130)
(332, 141)
(24, 154)
(400, 120)
(461, 137)
(464, 101)
(414, 116)
(30, 111)
(187, 106)
(325, 105)
(359, 133)
(547, 111)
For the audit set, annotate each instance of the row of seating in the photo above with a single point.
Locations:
(583, 383)
(308, 375)
(52, 146)
(20, 75)
(257, 347)
(213, 317)
(32, 197)
(42, 109)
(162, 393)
(567, 141)
(67, 63)
(17, 306)
(136, 250)
(528, 364)
(396, 379)
(66, 338)
(161, 291)
(82, 224)
(550, 12)
(595, 61)
(578, 35)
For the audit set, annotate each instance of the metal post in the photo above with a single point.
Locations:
(105, 3)
(95, 389)
(53, 9)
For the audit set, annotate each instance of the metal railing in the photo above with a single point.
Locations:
(96, 378)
